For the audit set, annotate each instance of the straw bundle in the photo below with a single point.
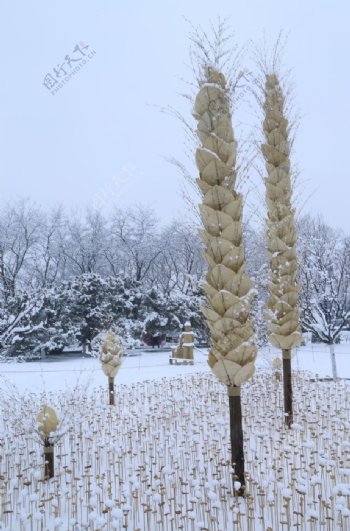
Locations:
(110, 355)
(228, 289)
(283, 314)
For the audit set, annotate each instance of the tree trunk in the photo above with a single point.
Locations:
(333, 362)
(287, 387)
(111, 391)
(49, 458)
(236, 432)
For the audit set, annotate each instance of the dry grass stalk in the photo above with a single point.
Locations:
(148, 460)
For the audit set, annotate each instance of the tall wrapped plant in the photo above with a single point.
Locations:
(283, 305)
(228, 289)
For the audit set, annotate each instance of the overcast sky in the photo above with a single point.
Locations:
(100, 139)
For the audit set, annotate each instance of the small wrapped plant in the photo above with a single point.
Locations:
(111, 360)
(47, 421)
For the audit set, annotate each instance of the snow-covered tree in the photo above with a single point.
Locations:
(84, 244)
(134, 245)
(96, 303)
(35, 322)
(21, 323)
(168, 313)
(45, 254)
(180, 266)
(46, 267)
(325, 282)
(20, 229)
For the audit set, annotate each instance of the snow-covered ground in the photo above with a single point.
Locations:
(67, 373)
(55, 375)
(159, 460)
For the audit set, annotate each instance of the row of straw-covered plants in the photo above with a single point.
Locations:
(228, 289)
(229, 294)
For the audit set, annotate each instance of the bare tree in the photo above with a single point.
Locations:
(180, 266)
(134, 244)
(20, 231)
(84, 243)
(48, 262)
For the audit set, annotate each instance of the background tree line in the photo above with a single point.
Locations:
(65, 278)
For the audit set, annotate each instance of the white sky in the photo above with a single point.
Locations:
(71, 148)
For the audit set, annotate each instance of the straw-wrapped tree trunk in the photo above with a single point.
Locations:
(283, 303)
(228, 289)
(111, 360)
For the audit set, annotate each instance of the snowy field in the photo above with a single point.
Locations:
(68, 373)
(159, 459)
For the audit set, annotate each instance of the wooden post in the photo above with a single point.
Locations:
(111, 391)
(49, 457)
(287, 387)
(333, 362)
(236, 432)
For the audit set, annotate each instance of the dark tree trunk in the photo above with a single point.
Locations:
(111, 391)
(49, 457)
(287, 387)
(236, 431)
